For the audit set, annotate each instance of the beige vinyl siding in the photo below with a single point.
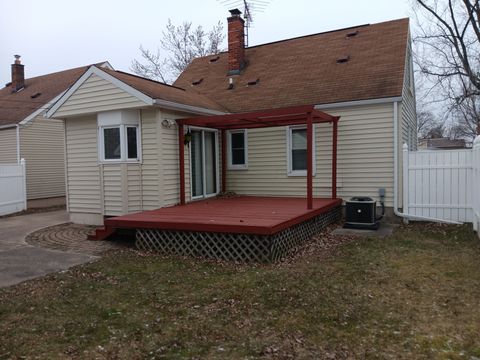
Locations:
(170, 163)
(83, 175)
(365, 157)
(150, 170)
(96, 95)
(122, 193)
(42, 146)
(134, 188)
(112, 189)
(407, 109)
(8, 146)
(407, 113)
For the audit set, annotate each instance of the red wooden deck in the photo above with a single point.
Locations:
(244, 215)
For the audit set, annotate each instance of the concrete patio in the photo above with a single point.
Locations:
(20, 261)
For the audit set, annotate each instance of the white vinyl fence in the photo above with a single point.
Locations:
(13, 193)
(476, 185)
(443, 185)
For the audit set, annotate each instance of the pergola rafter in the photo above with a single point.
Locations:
(297, 115)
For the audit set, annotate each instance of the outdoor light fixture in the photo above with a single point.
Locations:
(187, 138)
(168, 123)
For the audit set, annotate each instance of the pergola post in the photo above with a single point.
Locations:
(334, 158)
(290, 116)
(309, 161)
(181, 154)
(224, 161)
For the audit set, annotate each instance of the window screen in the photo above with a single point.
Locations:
(132, 145)
(299, 149)
(238, 148)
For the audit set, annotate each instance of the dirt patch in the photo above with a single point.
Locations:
(35, 211)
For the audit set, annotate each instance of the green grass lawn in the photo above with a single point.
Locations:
(415, 294)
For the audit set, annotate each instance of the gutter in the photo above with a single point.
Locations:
(406, 217)
(8, 126)
(358, 103)
(186, 108)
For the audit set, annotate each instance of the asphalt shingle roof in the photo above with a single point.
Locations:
(14, 107)
(304, 70)
(157, 90)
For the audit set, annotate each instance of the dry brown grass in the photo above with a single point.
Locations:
(415, 294)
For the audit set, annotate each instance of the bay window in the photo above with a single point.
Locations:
(119, 136)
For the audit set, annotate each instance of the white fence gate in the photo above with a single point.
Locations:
(443, 185)
(13, 192)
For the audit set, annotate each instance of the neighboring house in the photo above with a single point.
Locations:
(26, 133)
(442, 144)
(122, 138)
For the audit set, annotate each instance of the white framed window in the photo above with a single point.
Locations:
(119, 137)
(297, 151)
(237, 143)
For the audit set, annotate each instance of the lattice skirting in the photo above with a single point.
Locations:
(234, 247)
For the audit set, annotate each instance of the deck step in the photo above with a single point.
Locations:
(102, 233)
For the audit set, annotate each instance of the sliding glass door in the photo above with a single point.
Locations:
(204, 166)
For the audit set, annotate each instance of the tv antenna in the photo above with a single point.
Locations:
(250, 8)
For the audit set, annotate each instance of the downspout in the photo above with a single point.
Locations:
(404, 216)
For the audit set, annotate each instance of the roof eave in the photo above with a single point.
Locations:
(185, 108)
(360, 102)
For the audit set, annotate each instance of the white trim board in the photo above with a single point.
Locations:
(359, 103)
(231, 166)
(41, 110)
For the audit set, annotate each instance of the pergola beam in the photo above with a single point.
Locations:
(266, 118)
(299, 115)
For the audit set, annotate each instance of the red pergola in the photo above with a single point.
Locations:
(298, 115)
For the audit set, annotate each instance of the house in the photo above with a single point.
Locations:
(26, 133)
(442, 144)
(123, 143)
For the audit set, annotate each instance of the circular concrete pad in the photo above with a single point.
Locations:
(72, 238)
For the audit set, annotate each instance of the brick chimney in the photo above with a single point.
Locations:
(236, 42)
(18, 74)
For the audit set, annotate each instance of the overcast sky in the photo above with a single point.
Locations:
(53, 35)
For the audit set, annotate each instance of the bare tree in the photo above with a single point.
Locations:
(448, 47)
(179, 45)
(425, 122)
(466, 116)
